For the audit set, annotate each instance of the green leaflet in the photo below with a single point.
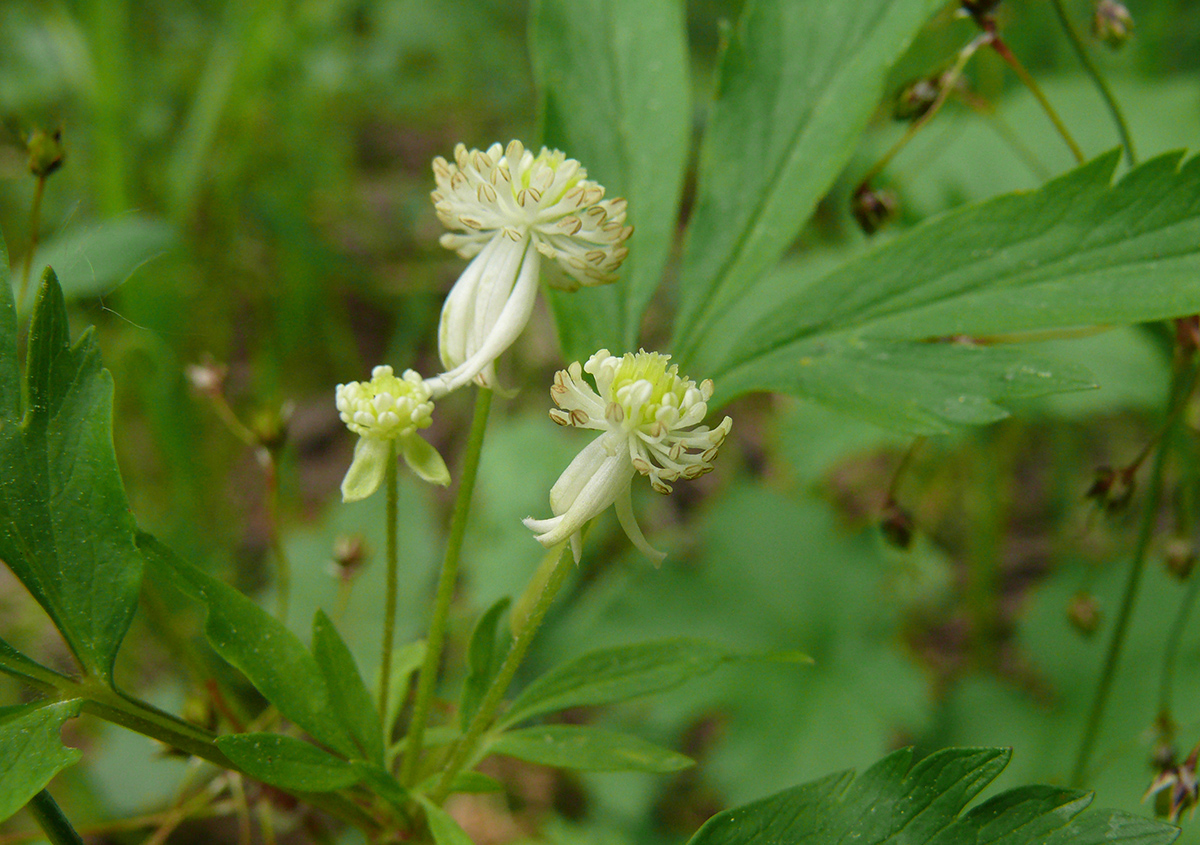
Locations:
(613, 78)
(351, 700)
(797, 84)
(31, 752)
(901, 803)
(65, 526)
(1077, 252)
(589, 749)
(259, 646)
(287, 762)
(484, 655)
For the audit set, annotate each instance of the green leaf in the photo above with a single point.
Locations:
(617, 674)
(382, 783)
(15, 663)
(10, 370)
(351, 700)
(287, 762)
(31, 751)
(270, 656)
(406, 660)
(445, 830)
(904, 804)
(1078, 252)
(614, 85)
(473, 782)
(92, 259)
(796, 85)
(65, 526)
(483, 659)
(588, 749)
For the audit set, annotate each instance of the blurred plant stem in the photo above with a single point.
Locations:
(1098, 79)
(109, 38)
(50, 819)
(463, 752)
(1029, 82)
(445, 590)
(35, 222)
(391, 554)
(1182, 385)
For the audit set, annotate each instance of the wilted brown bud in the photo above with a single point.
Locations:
(1112, 488)
(1179, 555)
(897, 525)
(1083, 612)
(46, 152)
(1112, 23)
(915, 99)
(872, 209)
(349, 555)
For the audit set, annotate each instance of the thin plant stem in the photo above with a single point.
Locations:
(1184, 382)
(1171, 652)
(50, 819)
(393, 583)
(1098, 79)
(488, 708)
(1027, 79)
(445, 591)
(283, 570)
(35, 222)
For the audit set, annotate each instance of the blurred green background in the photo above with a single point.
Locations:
(247, 183)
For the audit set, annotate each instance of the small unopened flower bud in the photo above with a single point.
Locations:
(1112, 23)
(1179, 555)
(207, 377)
(897, 525)
(270, 426)
(872, 209)
(1083, 612)
(1112, 488)
(46, 152)
(349, 556)
(915, 99)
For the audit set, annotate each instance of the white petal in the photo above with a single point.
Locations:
(600, 490)
(458, 312)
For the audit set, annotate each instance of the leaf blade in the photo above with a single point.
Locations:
(31, 751)
(287, 762)
(347, 692)
(588, 749)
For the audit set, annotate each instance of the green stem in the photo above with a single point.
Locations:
(1171, 653)
(445, 590)
(1027, 79)
(393, 579)
(35, 222)
(283, 570)
(1184, 382)
(1098, 78)
(512, 661)
(50, 819)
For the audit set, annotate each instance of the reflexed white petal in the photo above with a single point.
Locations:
(599, 492)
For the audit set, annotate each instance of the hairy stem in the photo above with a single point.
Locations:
(445, 590)
(512, 661)
(393, 579)
(1098, 79)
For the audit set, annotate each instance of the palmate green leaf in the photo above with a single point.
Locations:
(617, 674)
(796, 85)
(588, 749)
(287, 762)
(1078, 252)
(351, 700)
(31, 751)
(901, 803)
(615, 93)
(65, 526)
(257, 644)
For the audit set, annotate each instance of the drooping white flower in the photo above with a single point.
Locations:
(386, 413)
(505, 209)
(649, 418)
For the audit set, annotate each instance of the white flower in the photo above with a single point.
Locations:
(506, 208)
(385, 413)
(648, 417)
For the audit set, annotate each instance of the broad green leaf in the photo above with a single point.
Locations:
(1078, 252)
(65, 526)
(92, 259)
(796, 85)
(31, 751)
(351, 700)
(445, 830)
(614, 85)
(257, 644)
(287, 762)
(900, 803)
(617, 674)
(484, 654)
(588, 749)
